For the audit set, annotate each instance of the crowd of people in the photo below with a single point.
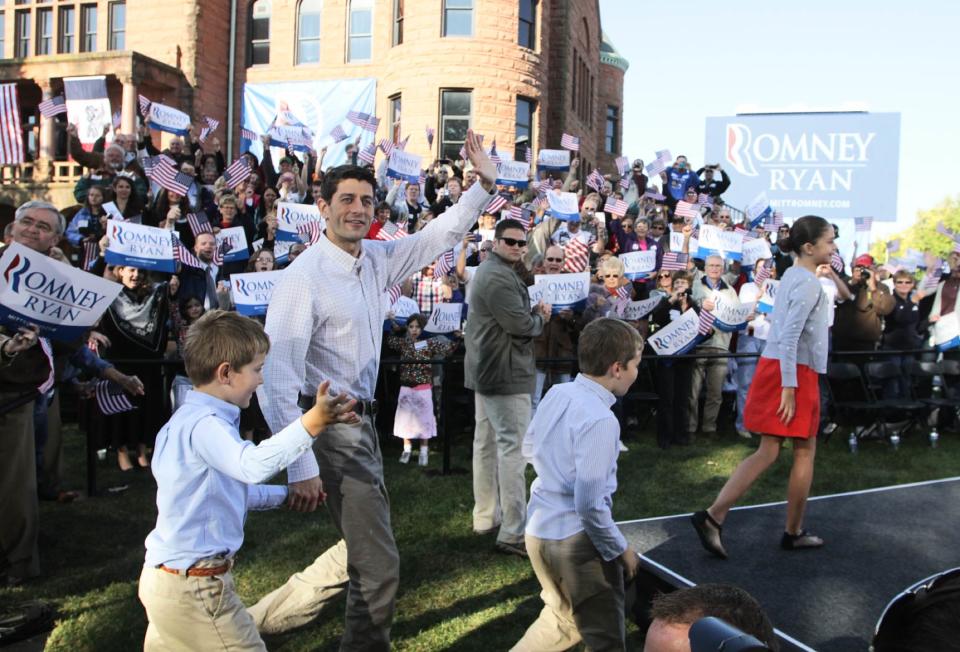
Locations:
(362, 278)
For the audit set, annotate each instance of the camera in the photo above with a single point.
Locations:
(864, 274)
(710, 634)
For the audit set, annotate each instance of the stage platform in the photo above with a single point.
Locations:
(877, 542)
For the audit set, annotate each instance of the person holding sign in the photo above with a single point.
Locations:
(415, 418)
(796, 351)
(326, 319)
(673, 376)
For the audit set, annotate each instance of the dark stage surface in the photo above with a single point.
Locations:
(877, 542)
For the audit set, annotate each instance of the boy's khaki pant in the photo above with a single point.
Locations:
(195, 613)
(582, 597)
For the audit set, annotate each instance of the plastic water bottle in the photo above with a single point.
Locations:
(934, 438)
(852, 442)
(895, 441)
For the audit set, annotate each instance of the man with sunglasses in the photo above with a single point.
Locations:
(499, 368)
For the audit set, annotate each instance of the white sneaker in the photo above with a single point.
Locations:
(623, 447)
(405, 457)
(745, 434)
(424, 454)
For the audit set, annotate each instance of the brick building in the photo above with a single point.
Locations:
(518, 70)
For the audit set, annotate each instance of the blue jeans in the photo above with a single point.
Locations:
(745, 370)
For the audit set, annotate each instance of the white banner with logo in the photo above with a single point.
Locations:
(166, 118)
(251, 292)
(731, 315)
(769, 298)
(563, 206)
(676, 243)
(638, 265)
(636, 310)
(290, 216)
(62, 300)
(237, 248)
(564, 291)
(553, 159)
(946, 332)
(754, 250)
(713, 241)
(679, 336)
(404, 165)
(145, 247)
(513, 173)
(445, 318)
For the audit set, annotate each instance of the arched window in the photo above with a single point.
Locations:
(360, 39)
(308, 31)
(259, 44)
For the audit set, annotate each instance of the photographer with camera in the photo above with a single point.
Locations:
(709, 185)
(677, 180)
(859, 322)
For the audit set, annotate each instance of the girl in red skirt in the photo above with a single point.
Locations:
(784, 397)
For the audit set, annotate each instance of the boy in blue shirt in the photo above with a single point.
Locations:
(207, 479)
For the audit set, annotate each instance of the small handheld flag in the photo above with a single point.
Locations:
(53, 107)
(570, 142)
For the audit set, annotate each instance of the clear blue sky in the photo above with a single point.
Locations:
(692, 60)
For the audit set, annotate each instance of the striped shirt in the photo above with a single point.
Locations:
(325, 318)
(574, 442)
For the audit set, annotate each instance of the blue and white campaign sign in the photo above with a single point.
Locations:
(536, 291)
(513, 173)
(679, 336)
(553, 159)
(754, 250)
(714, 241)
(281, 249)
(445, 318)
(290, 216)
(676, 243)
(565, 291)
(318, 105)
(237, 249)
(636, 310)
(404, 165)
(837, 165)
(638, 265)
(144, 247)
(166, 118)
(731, 315)
(758, 210)
(769, 299)
(113, 212)
(563, 206)
(62, 300)
(946, 332)
(251, 292)
(88, 107)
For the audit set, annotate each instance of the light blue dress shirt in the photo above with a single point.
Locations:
(207, 480)
(574, 442)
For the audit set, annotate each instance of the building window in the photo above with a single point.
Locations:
(360, 43)
(21, 37)
(581, 99)
(68, 29)
(397, 22)
(118, 26)
(88, 28)
(458, 17)
(454, 121)
(395, 106)
(44, 31)
(613, 126)
(308, 31)
(259, 46)
(524, 129)
(527, 35)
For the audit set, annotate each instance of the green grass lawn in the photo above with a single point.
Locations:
(456, 592)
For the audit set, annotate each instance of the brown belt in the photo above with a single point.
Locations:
(198, 572)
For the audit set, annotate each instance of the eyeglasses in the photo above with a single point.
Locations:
(657, 226)
(513, 242)
(934, 590)
(904, 282)
(610, 276)
(663, 276)
(43, 227)
(627, 225)
(554, 260)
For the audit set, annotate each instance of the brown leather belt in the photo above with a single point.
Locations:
(198, 572)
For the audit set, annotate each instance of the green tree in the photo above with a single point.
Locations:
(922, 234)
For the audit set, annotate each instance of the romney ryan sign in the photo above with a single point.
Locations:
(838, 165)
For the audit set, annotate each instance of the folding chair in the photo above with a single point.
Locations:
(898, 415)
(853, 404)
(931, 386)
(643, 394)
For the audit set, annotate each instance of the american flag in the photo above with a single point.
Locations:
(570, 142)
(624, 183)
(494, 156)
(673, 261)
(623, 165)
(386, 146)
(763, 272)
(704, 199)
(310, 232)
(775, 221)
(211, 122)
(431, 132)
(862, 224)
(664, 156)
(111, 398)
(623, 292)
(654, 195)
(184, 256)
(368, 154)
(237, 173)
(91, 251)
(595, 179)
(11, 135)
(395, 293)
(391, 231)
(444, 264)
(705, 325)
(836, 262)
(402, 145)
(199, 224)
(528, 155)
(52, 107)
(338, 134)
(522, 215)
(422, 178)
(222, 250)
(150, 162)
(495, 205)
(931, 280)
(656, 167)
(247, 134)
(211, 126)
(687, 211)
(893, 246)
(168, 178)
(117, 118)
(363, 120)
(576, 255)
(144, 105)
(943, 229)
(615, 206)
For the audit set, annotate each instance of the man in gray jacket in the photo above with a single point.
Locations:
(500, 370)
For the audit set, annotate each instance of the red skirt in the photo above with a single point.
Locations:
(763, 399)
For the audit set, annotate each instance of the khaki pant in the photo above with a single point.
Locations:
(582, 597)
(305, 594)
(499, 484)
(195, 613)
(19, 508)
(713, 371)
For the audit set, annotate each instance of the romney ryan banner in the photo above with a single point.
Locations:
(837, 165)
(513, 173)
(62, 300)
(562, 291)
(251, 292)
(166, 118)
(290, 216)
(146, 247)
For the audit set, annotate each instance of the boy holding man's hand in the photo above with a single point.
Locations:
(207, 479)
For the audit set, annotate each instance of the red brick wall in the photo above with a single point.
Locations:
(611, 94)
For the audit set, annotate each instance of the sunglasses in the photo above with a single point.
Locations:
(628, 225)
(657, 226)
(513, 242)
(554, 260)
(663, 276)
(610, 276)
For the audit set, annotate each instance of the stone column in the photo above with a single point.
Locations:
(47, 150)
(128, 110)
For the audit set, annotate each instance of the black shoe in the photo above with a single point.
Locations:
(519, 548)
(709, 536)
(800, 541)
